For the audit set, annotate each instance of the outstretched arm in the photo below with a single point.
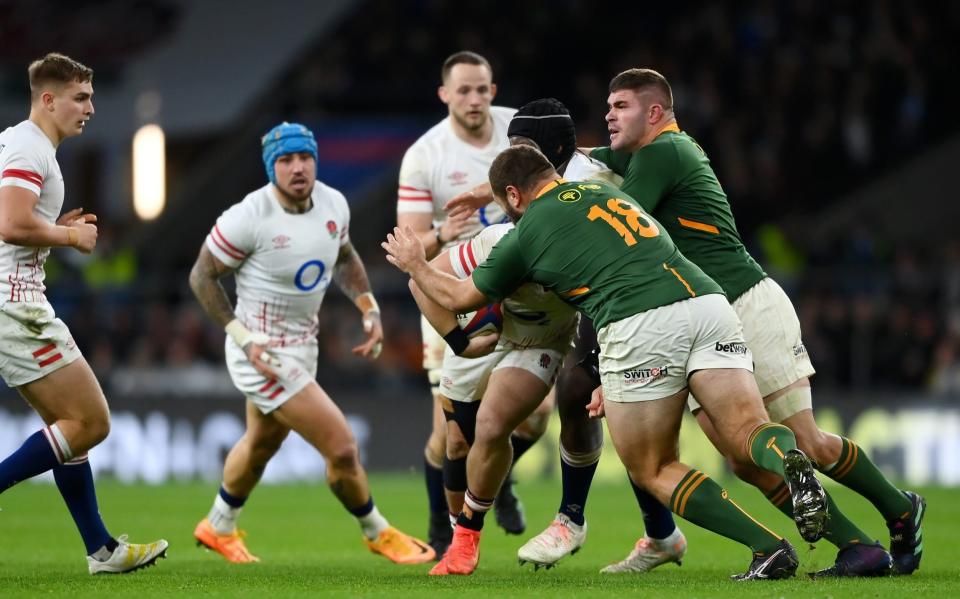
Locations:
(351, 277)
(405, 251)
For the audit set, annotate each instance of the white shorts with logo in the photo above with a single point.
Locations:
(33, 342)
(772, 331)
(299, 370)
(650, 355)
(465, 379)
(433, 348)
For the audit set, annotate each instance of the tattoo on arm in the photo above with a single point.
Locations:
(205, 284)
(349, 273)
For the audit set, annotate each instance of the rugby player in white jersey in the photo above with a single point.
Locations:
(450, 158)
(38, 355)
(285, 243)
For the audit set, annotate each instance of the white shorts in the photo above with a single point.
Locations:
(433, 348)
(650, 355)
(33, 342)
(299, 370)
(772, 331)
(465, 379)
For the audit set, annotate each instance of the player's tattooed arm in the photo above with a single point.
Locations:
(349, 273)
(205, 283)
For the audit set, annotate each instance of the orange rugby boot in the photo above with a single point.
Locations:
(462, 556)
(230, 546)
(401, 548)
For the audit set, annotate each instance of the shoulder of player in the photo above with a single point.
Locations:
(434, 135)
(325, 195)
(502, 113)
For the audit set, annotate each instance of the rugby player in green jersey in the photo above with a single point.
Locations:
(664, 329)
(670, 176)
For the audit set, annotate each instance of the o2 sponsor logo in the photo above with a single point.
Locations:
(310, 275)
(486, 221)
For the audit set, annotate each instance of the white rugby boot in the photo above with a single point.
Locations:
(649, 553)
(562, 538)
(128, 557)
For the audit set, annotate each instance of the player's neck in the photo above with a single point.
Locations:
(479, 138)
(667, 124)
(291, 205)
(47, 126)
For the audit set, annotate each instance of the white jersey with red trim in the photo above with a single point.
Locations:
(284, 262)
(532, 315)
(440, 166)
(28, 160)
(581, 167)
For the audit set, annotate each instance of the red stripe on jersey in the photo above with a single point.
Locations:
(216, 229)
(44, 350)
(401, 198)
(419, 191)
(463, 259)
(220, 244)
(473, 261)
(269, 384)
(52, 440)
(50, 360)
(276, 392)
(30, 176)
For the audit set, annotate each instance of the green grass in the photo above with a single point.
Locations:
(310, 545)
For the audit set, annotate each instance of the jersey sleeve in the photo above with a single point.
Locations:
(413, 192)
(504, 269)
(651, 174)
(22, 168)
(233, 237)
(467, 256)
(615, 160)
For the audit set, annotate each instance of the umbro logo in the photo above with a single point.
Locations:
(281, 242)
(458, 178)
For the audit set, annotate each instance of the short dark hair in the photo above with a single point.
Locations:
(56, 68)
(643, 79)
(520, 166)
(463, 57)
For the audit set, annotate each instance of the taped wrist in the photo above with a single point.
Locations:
(365, 302)
(457, 340)
(241, 335)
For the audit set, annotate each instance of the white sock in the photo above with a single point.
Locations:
(223, 516)
(373, 524)
(671, 540)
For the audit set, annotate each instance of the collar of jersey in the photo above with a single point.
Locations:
(549, 186)
(671, 127)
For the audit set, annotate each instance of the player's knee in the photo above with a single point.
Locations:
(573, 394)
(435, 448)
(457, 446)
(343, 460)
(491, 430)
(95, 429)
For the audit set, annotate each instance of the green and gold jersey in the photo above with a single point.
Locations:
(671, 178)
(593, 246)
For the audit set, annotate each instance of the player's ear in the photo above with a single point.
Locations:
(493, 90)
(443, 94)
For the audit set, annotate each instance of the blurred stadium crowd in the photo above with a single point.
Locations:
(798, 103)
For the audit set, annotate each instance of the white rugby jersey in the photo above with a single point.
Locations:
(532, 315)
(581, 167)
(440, 166)
(28, 160)
(284, 262)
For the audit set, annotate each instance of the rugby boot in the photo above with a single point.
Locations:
(809, 498)
(400, 548)
(508, 510)
(230, 546)
(128, 557)
(782, 563)
(906, 536)
(649, 553)
(562, 538)
(857, 559)
(462, 556)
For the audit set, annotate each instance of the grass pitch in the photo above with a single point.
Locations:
(309, 545)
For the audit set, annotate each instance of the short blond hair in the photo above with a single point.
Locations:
(58, 69)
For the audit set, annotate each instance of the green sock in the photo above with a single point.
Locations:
(768, 443)
(840, 530)
(701, 501)
(854, 470)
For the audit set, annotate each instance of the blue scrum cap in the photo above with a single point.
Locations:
(286, 138)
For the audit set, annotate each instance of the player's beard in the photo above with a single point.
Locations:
(512, 214)
(299, 199)
(471, 125)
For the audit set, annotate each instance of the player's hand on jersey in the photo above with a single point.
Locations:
(455, 224)
(373, 329)
(83, 224)
(481, 345)
(469, 202)
(404, 249)
(595, 407)
(265, 363)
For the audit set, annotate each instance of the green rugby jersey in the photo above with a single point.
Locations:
(592, 245)
(671, 178)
